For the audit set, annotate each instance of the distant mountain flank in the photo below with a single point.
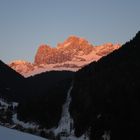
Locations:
(72, 54)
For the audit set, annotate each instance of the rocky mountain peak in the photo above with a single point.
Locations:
(73, 53)
(76, 39)
(44, 48)
(41, 53)
(72, 47)
(74, 42)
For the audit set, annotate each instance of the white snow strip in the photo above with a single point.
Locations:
(65, 127)
(106, 135)
(23, 124)
(14, 104)
(67, 44)
(65, 122)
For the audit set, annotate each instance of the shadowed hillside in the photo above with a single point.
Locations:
(105, 95)
(11, 83)
(40, 97)
(49, 91)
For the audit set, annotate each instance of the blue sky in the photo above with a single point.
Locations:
(25, 24)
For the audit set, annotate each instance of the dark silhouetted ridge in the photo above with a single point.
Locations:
(105, 95)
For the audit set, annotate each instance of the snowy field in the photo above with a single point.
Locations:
(10, 134)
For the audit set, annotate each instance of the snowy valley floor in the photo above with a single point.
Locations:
(10, 134)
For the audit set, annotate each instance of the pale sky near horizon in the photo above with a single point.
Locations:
(25, 24)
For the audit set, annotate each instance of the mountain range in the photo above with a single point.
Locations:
(100, 101)
(73, 54)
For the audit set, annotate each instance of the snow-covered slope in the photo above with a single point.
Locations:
(66, 122)
(64, 130)
(65, 127)
(10, 134)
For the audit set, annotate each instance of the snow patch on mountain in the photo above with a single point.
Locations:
(106, 135)
(66, 123)
(67, 44)
(65, 127)
(23, 124)
(5, 105)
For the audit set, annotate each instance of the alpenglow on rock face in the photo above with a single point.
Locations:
(70, 49)
(72, 54)
(21, 66)
(73, 49)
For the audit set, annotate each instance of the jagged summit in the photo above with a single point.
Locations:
(72, 49)
(74, 42)
(75, 38)
(72, 54)
(45, 46)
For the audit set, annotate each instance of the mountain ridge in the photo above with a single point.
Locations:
(72, 54)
